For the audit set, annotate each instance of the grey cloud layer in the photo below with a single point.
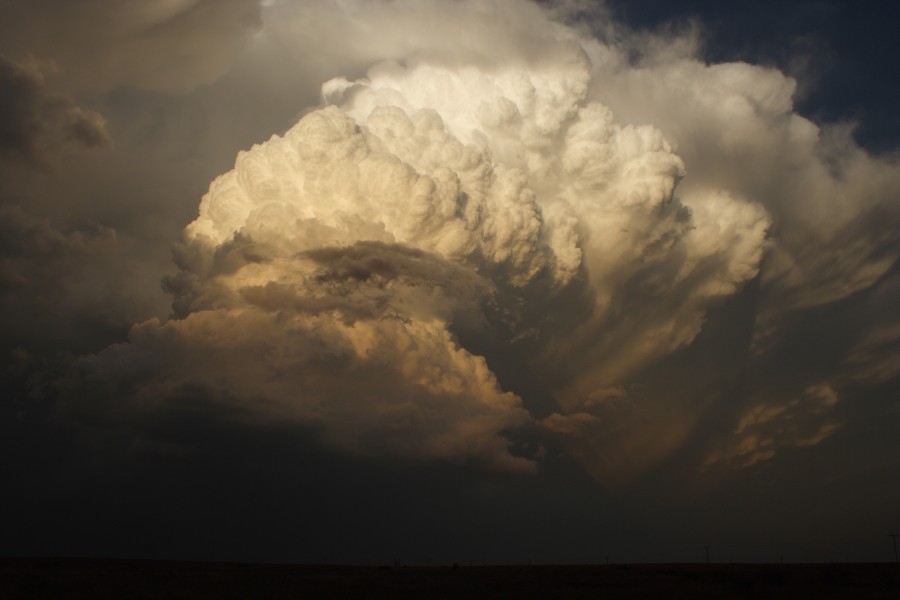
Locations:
(100, 44)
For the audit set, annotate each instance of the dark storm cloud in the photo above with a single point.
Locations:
(57, 286)
(362, 281)
(34, 119)
(541, 251)
(29, 245)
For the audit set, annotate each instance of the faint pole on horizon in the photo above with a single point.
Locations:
(607, 560)
(894, 539)
(707, 553)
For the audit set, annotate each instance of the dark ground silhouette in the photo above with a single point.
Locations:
(99, 579)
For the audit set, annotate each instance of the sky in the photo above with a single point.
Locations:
(444, 281)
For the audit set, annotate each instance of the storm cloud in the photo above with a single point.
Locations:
(508, 171)
(505, 233)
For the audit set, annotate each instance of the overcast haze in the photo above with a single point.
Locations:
(450, 281)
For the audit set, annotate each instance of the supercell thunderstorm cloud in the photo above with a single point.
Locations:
(507, 235)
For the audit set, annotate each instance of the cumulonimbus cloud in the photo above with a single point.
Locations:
(515, 195)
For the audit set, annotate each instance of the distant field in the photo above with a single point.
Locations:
(99, 579)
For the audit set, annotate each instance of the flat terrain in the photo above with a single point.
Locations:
(99, 579)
